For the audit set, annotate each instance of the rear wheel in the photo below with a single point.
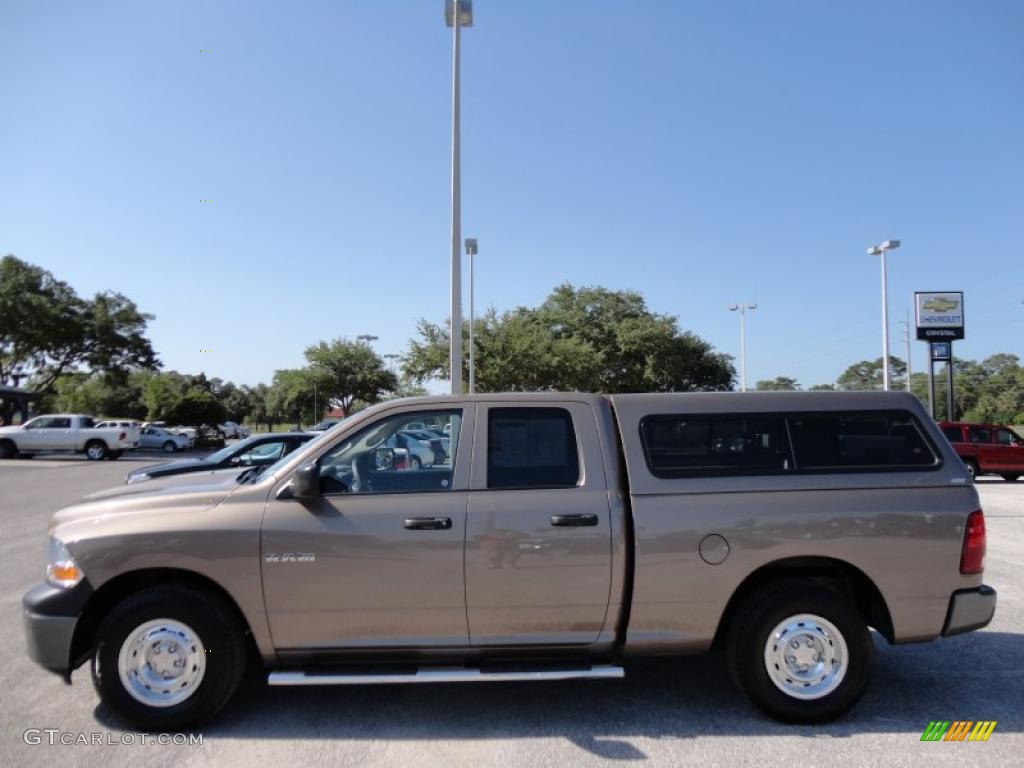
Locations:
(972, 467)
(415, 462)
(167, 657)
(1011, 478)
(801, 653)
(170, 446)
(7, 449)
(96, 450)
(114, 455)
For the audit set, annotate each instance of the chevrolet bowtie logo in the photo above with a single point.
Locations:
(940, 305)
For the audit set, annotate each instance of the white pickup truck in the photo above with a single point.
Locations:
(66, 432)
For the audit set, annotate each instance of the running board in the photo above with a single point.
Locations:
(446, 675)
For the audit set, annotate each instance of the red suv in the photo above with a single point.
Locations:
(987, 448)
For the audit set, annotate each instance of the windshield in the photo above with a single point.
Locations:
(271, 468)
(229, 450)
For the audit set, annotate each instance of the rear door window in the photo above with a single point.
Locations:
(979, 434)
(531, 448)
(859, 440)
(953, 434)
(682, 446)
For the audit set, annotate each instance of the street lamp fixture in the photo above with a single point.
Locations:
(742, 309)
(880, 250)
(457, 14)
(366, 338)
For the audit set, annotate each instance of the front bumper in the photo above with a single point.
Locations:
(969, 609)
(50, 616)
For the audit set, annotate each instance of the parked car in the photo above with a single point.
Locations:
(232, 430)
(161, 439)
(256, 451)
(190, 432)
(420, 453)
(987, 449)
(66, 433)
(569, 532)
(323, 426)
(437, 444)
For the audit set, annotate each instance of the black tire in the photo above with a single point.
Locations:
(1012, 477)
(114, 455)
(96, 450)
(26, 455)
(8, 450)
(216, 627)
(972, 467)
(747, 646)
(415, 463)
(169, 446)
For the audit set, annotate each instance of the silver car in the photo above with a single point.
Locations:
(155, 437)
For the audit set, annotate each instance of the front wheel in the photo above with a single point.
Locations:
(96, 450)
(801, 653)
(972, 468)
(170, 447)
(415, 463)
(114, 455)
(7, 449)
(1011, 477)
(167, 657)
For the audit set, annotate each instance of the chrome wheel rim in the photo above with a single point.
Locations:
(94, 451)
(806, 656)
(162, 662)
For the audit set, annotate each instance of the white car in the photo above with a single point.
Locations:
(231, 429)
(190, 432)
(157, 437)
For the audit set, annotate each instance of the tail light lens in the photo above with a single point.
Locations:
(972, 556)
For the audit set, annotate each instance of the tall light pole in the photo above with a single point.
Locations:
(906, 339)
(366, 338)
(880, 250)
(742, 309)
(457, 14)
(471, 251)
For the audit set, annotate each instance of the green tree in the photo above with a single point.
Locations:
(867, 374)
(290, 394)
(584, 339)
(777, 384)
(47, 330)
(821, 388)
(196, 406)
(345, 371)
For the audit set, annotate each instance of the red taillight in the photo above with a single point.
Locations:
(972, 556)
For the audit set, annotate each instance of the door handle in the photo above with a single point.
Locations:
(573, 521)
(428, 523)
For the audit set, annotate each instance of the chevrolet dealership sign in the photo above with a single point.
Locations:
(940, 316)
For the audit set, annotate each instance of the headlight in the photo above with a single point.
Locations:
(61, 570)
(136, 478)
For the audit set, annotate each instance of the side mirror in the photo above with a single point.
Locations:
(383, 459)
(306, 481)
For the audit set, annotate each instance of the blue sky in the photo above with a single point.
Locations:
(703, 153)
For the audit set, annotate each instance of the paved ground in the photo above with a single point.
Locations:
(675, 713)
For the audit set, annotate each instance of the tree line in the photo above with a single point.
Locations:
(990, 390)
(92, 356)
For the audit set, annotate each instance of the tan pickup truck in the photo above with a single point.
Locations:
(562, 535)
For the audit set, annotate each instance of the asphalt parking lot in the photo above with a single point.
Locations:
(672, 712)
